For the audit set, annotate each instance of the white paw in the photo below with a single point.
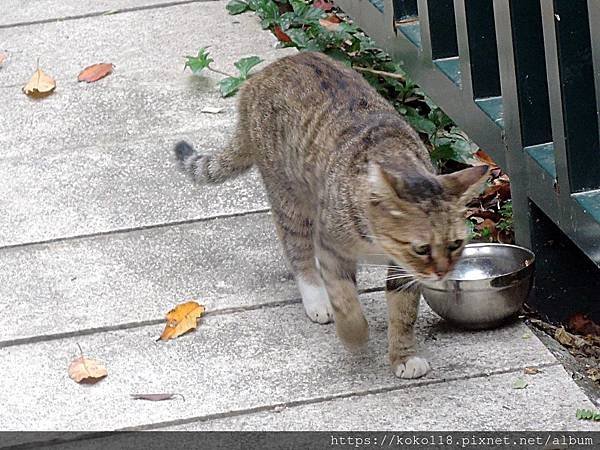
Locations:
(316, 302)
(413, 367)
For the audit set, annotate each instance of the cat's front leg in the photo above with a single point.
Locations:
(339, 275)
(403, 307)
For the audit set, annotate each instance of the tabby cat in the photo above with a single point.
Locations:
(346, 177)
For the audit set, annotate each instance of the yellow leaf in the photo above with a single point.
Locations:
(86, 370)
(181, 319)
(40, 84)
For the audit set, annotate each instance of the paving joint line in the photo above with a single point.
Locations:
(86, 436)
(329, 398)
(152, 322)
(117, 231)
(107, 12)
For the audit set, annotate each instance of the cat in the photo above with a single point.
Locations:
(346, 177)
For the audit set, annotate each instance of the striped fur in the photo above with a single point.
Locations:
(346, 176)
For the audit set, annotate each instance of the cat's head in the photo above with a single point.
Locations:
(418, 218)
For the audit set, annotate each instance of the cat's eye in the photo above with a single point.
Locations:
(423, 249)
(455, 245)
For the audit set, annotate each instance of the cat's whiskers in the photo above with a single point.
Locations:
(381, 265)
(407, 285)
(399, 277)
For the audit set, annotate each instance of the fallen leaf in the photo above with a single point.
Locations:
(580, 323)
(593, 373)
(526, 335)
(155, 397)
(95, 72)
(484, 158)
(332, 23)
(86, 370)
(488, 226)
(281, 35)
(520, 383)
(568, 339)
(181, 319)
(587, 414)
(3, 57)
(39, 85)
(323, 4)
(211, 110)
(531, 370)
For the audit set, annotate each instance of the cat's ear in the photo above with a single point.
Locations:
(382, 183)
(467, 183)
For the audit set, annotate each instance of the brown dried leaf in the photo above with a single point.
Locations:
(568, 339)
(593, 373)
(484, 158)
(155, 397)
(40, 84)
(332, 23)
(323, 4)
(281, 35)
(531, 370)
(3, 57)
(95, 72)
(86, 370)
(580, 323)
(181, 319)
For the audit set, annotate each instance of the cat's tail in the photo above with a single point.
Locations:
(212, 169)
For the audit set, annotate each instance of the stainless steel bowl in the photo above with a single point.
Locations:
(487, 286)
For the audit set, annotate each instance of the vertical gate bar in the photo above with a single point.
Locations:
(594, 18)
(464, 55)
(530, 72)
(404, 9)
(483, 48)
(442, 27)
(572, 95)
(477, 46)
(425, 22)
(512, 121)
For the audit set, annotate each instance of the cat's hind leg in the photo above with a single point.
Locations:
(402, 297)
(339, 274)
(295, 233)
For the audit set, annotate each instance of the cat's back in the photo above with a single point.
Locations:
(306, 82)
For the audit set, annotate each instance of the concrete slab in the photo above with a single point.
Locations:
(476, 404)
(134, 277)
(53, 191)
(24, 11)
(145, 46)
(87, 159)
(232, 363)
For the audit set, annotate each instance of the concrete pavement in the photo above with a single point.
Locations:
(100, 236)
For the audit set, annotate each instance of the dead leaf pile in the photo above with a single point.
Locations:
(181, 319)
(579, 323)
(490, 213)
(586, 349)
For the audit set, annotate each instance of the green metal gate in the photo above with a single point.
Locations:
(522, 78)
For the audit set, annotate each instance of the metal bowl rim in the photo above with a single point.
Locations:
(529, 268)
